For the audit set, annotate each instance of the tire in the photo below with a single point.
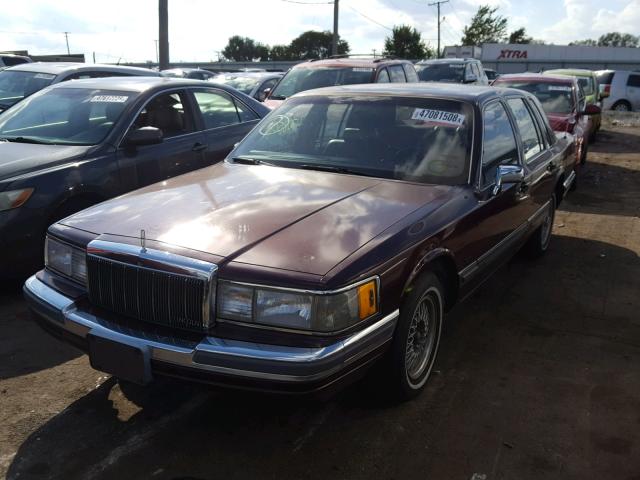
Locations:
(408, 371)
(583, 153)
(621, 106)
(593, 138)
(539, 241)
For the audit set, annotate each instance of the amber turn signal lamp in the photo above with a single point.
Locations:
(367, 300)
(21, 198)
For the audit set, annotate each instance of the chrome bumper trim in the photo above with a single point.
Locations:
(569, 181)
(212, 354)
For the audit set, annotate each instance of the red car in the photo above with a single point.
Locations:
(563, 101)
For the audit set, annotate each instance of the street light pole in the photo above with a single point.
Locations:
(439, 22)
(334, 43)
(66, 37)
(163, 34)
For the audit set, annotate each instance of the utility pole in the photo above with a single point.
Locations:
(334, 44)
(163, 34)
(66, 37)
(439, 22)
(157, 54)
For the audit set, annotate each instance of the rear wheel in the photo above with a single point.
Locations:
(538, 243)
(621, 106)
(417, 337)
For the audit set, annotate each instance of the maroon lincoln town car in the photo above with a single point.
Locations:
(338, 232)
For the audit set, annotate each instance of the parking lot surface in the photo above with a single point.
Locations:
(538, 376)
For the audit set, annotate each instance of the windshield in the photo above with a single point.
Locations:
(65, 116)
(16, 85)
(554, 97)
(243, 84)
(441, 72)
(587, 84)
(301, 79)
(413, 139)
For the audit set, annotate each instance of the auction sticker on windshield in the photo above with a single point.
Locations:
(109, 98)
(440, 117)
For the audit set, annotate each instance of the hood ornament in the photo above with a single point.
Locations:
(143, 240)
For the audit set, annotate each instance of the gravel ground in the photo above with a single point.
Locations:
(538, 377)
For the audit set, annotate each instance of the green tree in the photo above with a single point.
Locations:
(617, 39)
(486, 27)
(313, 44)
(245, 49)
(406, 42)
(280, 52)
(589, 42)
(519, 36)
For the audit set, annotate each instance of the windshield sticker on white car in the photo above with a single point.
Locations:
(44, 76)
(559, 88)
(439, 117)
(278, 124)
(109, 98)
(361, 69)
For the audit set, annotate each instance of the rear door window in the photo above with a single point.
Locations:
(532, 144)
(410, 72)
(397, 74)
(633, 81)
(219, 109)
(383, 76)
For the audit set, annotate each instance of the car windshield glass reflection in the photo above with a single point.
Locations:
(555, 98)
(441, 72)
(421, 140)
(16, 85)
(242, 84)
(65, 116)
(301, 79)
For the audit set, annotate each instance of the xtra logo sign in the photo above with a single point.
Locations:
(512, 54)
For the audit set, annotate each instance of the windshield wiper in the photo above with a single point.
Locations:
(252, 161)
(331, 168)
(25, 140)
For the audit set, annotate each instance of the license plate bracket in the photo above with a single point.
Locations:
(119, 359)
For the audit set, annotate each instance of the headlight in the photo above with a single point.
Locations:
(14, 198)
(315, 311)
(65, 259)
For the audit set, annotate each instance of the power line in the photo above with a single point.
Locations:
(369, 18)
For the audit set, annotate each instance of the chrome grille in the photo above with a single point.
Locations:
(154, 296)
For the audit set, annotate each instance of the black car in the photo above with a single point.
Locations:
(17, 83)
(452, 70)
(192, 73)
(78, 143)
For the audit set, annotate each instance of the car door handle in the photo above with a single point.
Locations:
(198, 147)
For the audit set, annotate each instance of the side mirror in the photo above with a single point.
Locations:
(262, 96)
(507, 174)
(143, 136)
(592, 109)
(470, 78)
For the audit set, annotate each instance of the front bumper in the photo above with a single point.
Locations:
(232, 363)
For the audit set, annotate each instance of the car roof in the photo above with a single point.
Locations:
(469, 93)
(537, 77)
(346, 62)
(575, 72)
(446, 60)
(56, 68)
(131, 84)
(251, 74)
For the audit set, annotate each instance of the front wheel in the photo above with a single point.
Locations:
(417, 337)
(539, 241)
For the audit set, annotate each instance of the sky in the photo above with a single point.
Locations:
(125, 30)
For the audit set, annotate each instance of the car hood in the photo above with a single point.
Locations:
(21, 158)
(299, 220)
